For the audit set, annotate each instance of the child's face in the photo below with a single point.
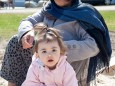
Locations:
(49, 53)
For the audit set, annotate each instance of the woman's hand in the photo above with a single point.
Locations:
(27, 39)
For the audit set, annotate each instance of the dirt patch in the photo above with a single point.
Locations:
(3, 44)
(112, 37)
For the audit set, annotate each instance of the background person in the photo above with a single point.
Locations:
(1, 4)
(80, 24)
(10, 3)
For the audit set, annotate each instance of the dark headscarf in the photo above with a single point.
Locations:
(93, 23)
(78, 11)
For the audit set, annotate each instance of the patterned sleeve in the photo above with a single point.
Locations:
(16, 62)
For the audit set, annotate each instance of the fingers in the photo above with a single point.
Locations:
(30, 40)
(25, 43)
(27, 40)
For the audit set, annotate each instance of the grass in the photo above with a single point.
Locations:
(9, 22)
(109, 17)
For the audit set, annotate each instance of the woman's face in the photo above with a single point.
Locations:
(63, 3)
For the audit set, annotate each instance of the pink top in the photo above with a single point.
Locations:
(63, 75)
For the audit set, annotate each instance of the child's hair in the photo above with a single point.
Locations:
(44, 34)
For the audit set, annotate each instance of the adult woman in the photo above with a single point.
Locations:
(80, 23)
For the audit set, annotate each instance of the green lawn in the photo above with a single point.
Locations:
(9, 22)
(109, 17)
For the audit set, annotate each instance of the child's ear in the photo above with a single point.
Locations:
(61, 54)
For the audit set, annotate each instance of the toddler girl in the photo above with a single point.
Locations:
(49, 68)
